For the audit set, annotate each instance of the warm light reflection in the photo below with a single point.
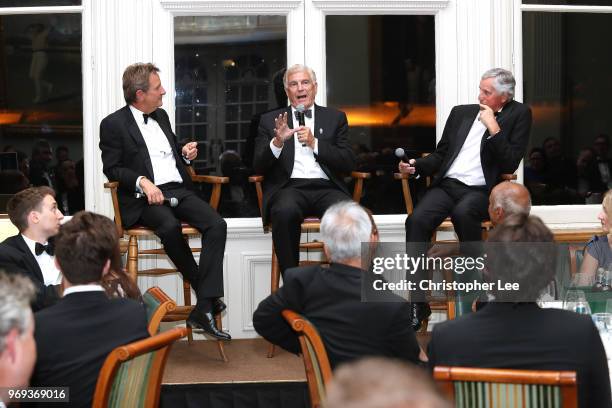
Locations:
(9, 118)
(388, 114)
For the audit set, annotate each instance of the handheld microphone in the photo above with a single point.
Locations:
(172, 201)
(299, 110)
(401, 154)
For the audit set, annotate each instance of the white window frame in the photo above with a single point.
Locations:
(581, 215)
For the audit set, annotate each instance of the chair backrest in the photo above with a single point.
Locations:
(131, 375)
(316, 363)
(493, 387)
(157, 304)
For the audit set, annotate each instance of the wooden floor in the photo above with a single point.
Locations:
(199, 362)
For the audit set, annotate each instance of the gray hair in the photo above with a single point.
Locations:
(298, 68)
(506, 199)
(16, 292)
(344, 226)
(504, 81)
(376, 382)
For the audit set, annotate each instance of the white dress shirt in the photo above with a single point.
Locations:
(160, 151)
(93, 287)
(46, 262)
(305, 165)
(467, 167)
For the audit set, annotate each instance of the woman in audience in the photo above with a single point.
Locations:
(598, 251)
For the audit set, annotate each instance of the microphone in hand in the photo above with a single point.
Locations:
(401, 154)
(172, 201)
(299, 114)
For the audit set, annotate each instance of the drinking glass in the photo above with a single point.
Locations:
(575, 300)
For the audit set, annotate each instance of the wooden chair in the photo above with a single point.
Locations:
(310, 224)
(493, 387)
(134, 252)
(131, 375)
(316, 362)
(157, 304)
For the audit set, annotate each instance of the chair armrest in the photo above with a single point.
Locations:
(209, 179)
(360, 175)
(113, 186)
(358, 188)
(401, 176)
(256, 179)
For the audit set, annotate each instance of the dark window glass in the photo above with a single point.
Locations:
(41, 106)
(567, 80)
(570, 2)
(38, 3)
(224, 77)
(380, 71)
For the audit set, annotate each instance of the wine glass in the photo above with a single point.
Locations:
(575, 300)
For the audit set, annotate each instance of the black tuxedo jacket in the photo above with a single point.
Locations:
(125, 158)
(499, 154)
(16, 257)
(331, 299)
(335, 153)
(74, 337)
(523, 336)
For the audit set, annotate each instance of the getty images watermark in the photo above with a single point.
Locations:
(418, 271)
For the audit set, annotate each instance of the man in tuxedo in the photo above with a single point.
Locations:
(512, 331)
(302, 164)
(331, 298)
(17, 346)
(35, 214)
(140, 151)
(74, 336)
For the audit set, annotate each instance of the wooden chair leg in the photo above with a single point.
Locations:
(220, 344)
(132, 261)
(187, 300)
(274, 284)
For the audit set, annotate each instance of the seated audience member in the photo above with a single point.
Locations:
(382, 383)
(509, 334)
(70, 194)
(330, 297)
(41, 172)
(17, 347)
(35, 214)
(74, 336)
(598, 251)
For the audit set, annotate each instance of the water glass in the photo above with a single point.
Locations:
(575, 300)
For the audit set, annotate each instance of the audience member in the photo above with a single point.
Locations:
(41, 173)
(35, 214)
(520, 335)
(588, 185)
(560, 173)
(17, 346)
(331, 298)
(70, 194)
(302, 165)
(376, 382)
(74, 336)
(508, 199)
(601, 146)
(598, 252)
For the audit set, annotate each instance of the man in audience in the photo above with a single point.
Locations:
(330, 297)
(508, 199)
(513, 333)
(35, 214)
(382, 383)
(41, 172)
(303, 165)
(17, 346)
(74, 336)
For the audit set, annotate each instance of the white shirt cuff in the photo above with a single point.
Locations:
(276, 151)
(316, 146)
(138, 184)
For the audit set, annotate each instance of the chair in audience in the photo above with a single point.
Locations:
(316, 362)
(157, 305)
(493, 387)
(131, 375)
(576, 252)
(309, 225)
(134, 252)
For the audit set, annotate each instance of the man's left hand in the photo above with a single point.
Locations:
(190, 150)
(305, 137)
(487, 117)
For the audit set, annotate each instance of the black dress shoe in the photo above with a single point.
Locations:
(206, 322)
(218, 306)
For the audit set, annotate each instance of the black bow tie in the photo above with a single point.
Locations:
(152, 115)
(40, 248)
(307, 113)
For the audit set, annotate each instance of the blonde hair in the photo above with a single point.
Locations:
(607, 206)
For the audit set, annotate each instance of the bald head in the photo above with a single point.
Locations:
(508, 198)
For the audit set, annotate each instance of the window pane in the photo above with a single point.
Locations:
(41, 106)
(570, 2)
(226, 66)
(381, 72)
(38, 3)
(566, 82)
